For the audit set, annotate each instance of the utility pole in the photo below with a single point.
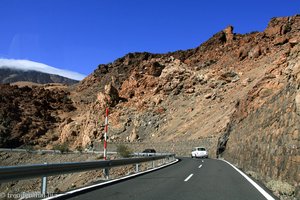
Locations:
(105, 134)
(105, 170)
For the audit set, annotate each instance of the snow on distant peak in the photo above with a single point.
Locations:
(26, 65)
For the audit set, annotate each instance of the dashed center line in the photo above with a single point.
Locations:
(200, 166)
(202, 160)
(190, 176)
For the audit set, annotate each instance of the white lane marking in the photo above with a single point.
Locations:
(202, 160)
(200, 166)
(190, 176)
(261, 190)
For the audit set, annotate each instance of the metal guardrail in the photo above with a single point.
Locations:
(11, 173)
(53, 151)
(150, 154)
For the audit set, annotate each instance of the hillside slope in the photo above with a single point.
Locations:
(29, 115)
(186, 94)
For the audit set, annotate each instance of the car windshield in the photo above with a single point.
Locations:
(201, 149)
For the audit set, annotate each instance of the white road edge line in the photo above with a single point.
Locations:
(200, 166)
(188, 178)
(260, 189)
(111, 181)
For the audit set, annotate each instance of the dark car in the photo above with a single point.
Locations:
(149, 151)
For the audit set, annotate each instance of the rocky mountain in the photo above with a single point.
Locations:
(236, 94)
(11, 75)
(27, 115)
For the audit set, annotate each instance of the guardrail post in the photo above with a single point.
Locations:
(137, 167)
(44, 184)
(106, 173)
(153, 164)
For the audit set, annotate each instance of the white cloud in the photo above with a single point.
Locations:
(31, 65)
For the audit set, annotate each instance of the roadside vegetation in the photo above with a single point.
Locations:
(63, 148)
(124, 151)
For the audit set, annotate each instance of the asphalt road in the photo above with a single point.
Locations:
(188, 179)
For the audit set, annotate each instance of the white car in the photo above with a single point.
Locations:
(199, 152)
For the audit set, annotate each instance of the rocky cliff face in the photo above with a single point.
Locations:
(267, 140)
(189, 94)
(28, 116)
(236, 94)
(263, 135)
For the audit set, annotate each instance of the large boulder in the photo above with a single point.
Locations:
(110, 96)
(255, 52)
(154, 69)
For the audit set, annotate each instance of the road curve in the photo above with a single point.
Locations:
(189, 179)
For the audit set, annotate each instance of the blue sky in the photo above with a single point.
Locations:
(78, 35)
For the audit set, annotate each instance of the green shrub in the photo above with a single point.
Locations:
(79, 149)
(280, 187)
(100, 157)
(63, 148)
(123, 151)
(28, 148)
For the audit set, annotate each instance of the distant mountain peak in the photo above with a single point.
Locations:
(12, 75)
(27, 65)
